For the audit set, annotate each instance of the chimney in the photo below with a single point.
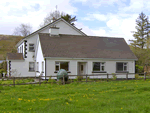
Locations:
(54, 31)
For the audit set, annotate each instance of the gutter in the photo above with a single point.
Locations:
(87, 58)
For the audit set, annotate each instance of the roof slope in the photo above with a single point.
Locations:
(76, 46)
(15, 56)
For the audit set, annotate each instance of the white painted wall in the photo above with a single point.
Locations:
(110, 67)
(63, 29)
(40, 59)
(19, 67)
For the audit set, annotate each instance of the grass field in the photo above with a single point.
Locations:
(96, 97)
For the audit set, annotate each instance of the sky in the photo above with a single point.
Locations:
(112, 18)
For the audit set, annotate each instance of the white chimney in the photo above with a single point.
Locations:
(54, 31)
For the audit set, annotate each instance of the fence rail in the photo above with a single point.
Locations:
(86, 79)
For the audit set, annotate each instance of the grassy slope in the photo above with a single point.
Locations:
(7, 43)
(95, 97)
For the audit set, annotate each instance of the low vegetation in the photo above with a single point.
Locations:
(94, 97)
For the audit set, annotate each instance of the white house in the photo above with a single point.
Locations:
(59, 45)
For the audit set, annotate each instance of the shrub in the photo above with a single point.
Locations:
(136, 76)
(114, 76)
(79, 78)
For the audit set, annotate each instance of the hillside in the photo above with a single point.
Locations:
(7, 44)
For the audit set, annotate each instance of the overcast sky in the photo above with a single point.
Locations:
(115, 18)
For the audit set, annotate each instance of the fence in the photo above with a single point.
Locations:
(86, 78)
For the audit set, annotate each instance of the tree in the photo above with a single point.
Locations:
(52, 16)
(142, 33)
(69, 19)
(23, 30)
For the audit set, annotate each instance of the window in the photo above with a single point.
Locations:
(98, 66)
(121, 66)
(62, 65)
(31, 47)
(37, 66)
(31, 66)
(22, 48)
(42, 66)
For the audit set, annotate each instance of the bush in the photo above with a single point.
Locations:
(114, 76)
(79, 78)
(136, 76)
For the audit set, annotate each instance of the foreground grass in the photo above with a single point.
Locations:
(95, 97)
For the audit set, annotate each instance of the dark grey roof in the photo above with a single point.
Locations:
(76, 46)
(15, 56)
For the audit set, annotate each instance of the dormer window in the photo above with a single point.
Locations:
(31, 47)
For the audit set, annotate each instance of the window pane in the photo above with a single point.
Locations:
(43, 66)
(125, 68)
(102, 68)
(64, 65)
(57, 68)
(81, 67)
(31, 66)
(31, 47)
(96, 66)
(119, 66)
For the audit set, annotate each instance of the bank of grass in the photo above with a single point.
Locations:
(95, 97)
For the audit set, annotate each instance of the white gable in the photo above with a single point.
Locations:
(64, 28)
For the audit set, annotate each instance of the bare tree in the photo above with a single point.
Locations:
(23, 30)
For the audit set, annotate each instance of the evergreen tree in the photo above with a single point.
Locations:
(142, 33)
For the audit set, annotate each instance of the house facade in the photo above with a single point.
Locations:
(60, 45)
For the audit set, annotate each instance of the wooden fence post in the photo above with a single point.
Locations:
(107, 77)
(39, 80)
(145, 76)
(14, 81)
(63, 79)
(127, 76)
(86, 78)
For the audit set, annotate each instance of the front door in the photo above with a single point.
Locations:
(82, 69)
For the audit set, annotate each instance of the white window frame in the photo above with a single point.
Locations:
(101, 64)
(123, 66)
(31, 46)
(59, 64)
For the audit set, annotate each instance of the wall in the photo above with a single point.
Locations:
(110, 67)
(63, 29)
(40, 59)
(19, 68)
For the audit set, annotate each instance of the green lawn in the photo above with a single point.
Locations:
(95, 97)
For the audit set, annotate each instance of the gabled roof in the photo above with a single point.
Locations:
(15, 56)
(76, 46)
(52, 24)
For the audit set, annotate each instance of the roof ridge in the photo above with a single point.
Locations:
(82, 36)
